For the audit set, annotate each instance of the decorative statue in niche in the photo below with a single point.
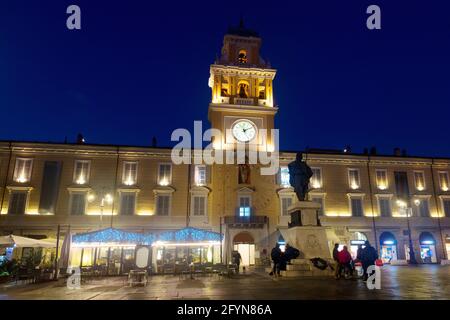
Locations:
(299, 175)
(244, 174)
(243, 88)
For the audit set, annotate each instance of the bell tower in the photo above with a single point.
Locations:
(242, 105)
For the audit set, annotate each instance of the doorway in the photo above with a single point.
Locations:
(244, 243)
(388, 247)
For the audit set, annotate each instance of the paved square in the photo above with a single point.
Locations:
(397, 282)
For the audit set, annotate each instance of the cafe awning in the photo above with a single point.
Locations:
(111, 237)
(189, 235)
(24, 242)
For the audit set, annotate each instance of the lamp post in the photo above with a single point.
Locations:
(106, 198)
(408, 210)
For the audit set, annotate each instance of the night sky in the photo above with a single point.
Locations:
(139, 69)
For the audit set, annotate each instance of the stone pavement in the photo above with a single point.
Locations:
(397, 282)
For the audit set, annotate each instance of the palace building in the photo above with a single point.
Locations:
(114, 198)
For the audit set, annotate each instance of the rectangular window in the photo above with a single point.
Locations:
(50, 187)
(423, 209)
(165, 174)
(244, 206)
(81, 171)
(443, 180)
(127, 203)
(162, 205)
(353, 179)
(22, 171)
(286, 202)
(384, 206)
(199, 203)
(319, 200)
(17, 202)
(356, 204)
(446, 207)
(129, 175)
(381, 179)
(284, 177)
(200, 175)
(419, 180)
(401, 185)
(316, 179)
(78, 204)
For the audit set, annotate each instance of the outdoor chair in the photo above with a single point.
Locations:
(137, 277)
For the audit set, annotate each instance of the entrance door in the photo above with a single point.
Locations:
(247, 252)
(244, 243)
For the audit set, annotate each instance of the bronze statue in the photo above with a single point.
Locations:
(244, 174)
(299, 175)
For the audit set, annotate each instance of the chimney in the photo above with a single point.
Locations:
(154, 142)
(80, 139)
(397, 152)
(373, 151)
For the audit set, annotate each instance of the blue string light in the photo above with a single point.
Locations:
(112, 235)
(189, 234)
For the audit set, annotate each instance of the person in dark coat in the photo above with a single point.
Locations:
(237, 260)
(276, 257)
(337, 270)
(368, 257)
(359, 252)
(290, 253)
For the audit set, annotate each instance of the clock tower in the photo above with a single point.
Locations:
(242, 105)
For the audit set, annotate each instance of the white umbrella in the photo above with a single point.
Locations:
(23, 242)
(65, 251)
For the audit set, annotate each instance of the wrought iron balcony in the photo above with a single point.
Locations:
(251, 221)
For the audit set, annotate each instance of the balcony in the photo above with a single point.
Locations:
(247, 222)
(244, 101)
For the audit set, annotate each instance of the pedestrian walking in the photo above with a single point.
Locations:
(237, 260)
(368, 257)
(276, 256)
(337, 270)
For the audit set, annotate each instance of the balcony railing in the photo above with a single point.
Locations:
(244, 101)
(246, 222)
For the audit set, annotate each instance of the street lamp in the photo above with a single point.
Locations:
(408, 210)
(106, 198)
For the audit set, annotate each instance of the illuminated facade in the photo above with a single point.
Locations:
(139, 189)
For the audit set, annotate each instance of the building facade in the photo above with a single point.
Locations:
(88, 187)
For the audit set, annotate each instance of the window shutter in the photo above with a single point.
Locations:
(50, 187)
(208, 174)
(127, 204)
(192, 169)
(78, 204)
(17, 203)
(446, 205)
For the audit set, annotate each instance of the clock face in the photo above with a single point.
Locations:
(244, 130)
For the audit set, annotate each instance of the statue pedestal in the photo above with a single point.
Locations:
(307, 235)
(304, 213)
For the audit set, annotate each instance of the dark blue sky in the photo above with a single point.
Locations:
(139, 69)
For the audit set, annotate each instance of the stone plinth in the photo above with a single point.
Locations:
(304, 213)
(308, 236)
